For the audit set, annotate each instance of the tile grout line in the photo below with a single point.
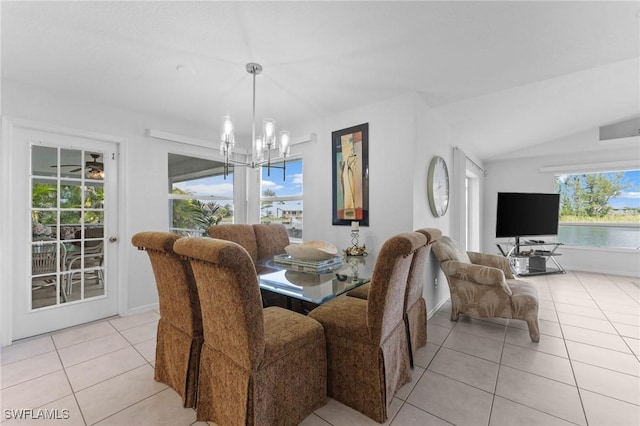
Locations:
(131, 405)
(73, 392)
(404, 401)
(548, 284)
(495, 386)
(612, 322)
(573, 372)
(528, 372)
(75, 397)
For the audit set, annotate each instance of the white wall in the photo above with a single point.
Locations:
(433, 137)
(520, 172)
(404, 134)
(391, 136)
(145, 168)
(403, 137)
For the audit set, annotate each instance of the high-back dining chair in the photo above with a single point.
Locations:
(240, 233)
(414, 304)
(271, 238)
(367, 349)
(180, 337)
(261, 240)
(258, 366)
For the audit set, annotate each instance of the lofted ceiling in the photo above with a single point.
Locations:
(503, 75)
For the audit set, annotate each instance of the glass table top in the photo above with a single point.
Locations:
(317, 287)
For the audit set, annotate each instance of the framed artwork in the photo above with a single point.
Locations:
(350, 157)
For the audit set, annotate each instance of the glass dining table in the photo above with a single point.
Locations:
(315, 287)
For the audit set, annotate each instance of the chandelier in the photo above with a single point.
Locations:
(260, 147)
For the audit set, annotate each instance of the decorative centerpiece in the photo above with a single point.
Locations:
(312, 250)
(355, 249)
(306, 279)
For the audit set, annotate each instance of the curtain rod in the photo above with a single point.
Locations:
(484, 172)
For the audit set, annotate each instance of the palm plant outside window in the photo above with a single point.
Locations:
(199, 195)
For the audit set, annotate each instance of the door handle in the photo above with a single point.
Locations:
(113, 239)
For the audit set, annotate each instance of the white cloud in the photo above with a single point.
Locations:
(297, 179)
(219, 190)
(267, 184)
(629, 194)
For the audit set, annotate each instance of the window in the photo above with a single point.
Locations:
(67, 215)
(600, 209)
(281, 199)
(199, 195)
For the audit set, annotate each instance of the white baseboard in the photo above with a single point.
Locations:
(141, 309)
(617, 272)
(438, 306)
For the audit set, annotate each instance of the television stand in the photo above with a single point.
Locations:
(537, 258)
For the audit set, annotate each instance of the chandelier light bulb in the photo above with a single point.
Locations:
(227, 130)
(259, 149)
(269, 125)
(285, 148)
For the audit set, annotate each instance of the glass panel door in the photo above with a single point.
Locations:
(64, 237)
(67, 226)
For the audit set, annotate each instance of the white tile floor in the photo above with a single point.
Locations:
(585, 370)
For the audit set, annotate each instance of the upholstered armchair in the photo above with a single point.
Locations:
(367, 349)
(258, 366)
(179, 338)
(415, 317)
(483, 286)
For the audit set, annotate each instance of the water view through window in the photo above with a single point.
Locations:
(600, 209)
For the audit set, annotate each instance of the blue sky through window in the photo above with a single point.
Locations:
(291, 186)
(630, 196)
(212, 186)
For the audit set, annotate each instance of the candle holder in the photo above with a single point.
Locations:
(355, 249)
(356, 262)
(354, 238)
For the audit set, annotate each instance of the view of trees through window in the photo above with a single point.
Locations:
(199, 196)
(281, 200)
(600, 209)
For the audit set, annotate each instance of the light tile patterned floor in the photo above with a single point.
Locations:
(585, 370)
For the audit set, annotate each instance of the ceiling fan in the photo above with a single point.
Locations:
(91, 166)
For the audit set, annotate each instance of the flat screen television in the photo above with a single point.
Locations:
(527, 214)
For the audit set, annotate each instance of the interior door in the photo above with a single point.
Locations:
(66, 232)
